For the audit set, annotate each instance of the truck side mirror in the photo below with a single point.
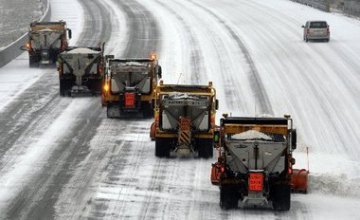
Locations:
(69, 33)
(216, 104)
(293, 139)
(159, 71)
(302, 26)
(216, 137)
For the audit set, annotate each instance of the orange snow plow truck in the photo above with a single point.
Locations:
(255, 163)
(128, 86)
(184, 120)
(46, 40)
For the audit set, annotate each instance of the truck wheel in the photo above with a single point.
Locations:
(161, 148)
(281, 197)
(205, 148)
(228, 197)
(148, 111)
(33, 61)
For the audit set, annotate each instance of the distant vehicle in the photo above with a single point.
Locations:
(46, 40)
(316, 30)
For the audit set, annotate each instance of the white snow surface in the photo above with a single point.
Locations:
(317, 83)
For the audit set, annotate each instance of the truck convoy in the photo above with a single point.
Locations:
(128, 86)
(255, 163)
(81, 70)
(46, 40)
(184, 120)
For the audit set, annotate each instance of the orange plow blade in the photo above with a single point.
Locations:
(299, 180)
(152, 131)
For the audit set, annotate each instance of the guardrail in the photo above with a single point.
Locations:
(323, 5)
(13, 50)
(348, 7)
(352, 7)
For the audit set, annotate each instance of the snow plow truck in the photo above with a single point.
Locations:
(128, 86)
(184, 120)
(255, 163)
(81, 71)
(46, 40)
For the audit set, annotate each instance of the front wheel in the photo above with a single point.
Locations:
(162, 148)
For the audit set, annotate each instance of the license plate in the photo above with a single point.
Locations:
(256, 181)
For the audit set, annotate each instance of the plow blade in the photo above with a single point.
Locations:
(299, 180)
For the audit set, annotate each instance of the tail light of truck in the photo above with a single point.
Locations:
(129, 99)
(256, 182)
(328, 30)
(106, 87)
(307, 31)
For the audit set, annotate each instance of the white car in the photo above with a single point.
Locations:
(316, 30)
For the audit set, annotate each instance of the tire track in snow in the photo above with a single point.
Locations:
(195, 56)
(48, 184)
(259, 91)
(143, 30)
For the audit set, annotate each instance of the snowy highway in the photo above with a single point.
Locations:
(61, 158)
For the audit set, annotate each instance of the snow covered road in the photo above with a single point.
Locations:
(62, 158)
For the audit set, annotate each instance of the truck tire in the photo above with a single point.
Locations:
(281, 195)
(205, 148)
(228, 197)
(161, 148)
(148, 111)
(33, 61)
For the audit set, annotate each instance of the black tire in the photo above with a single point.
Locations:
(65, 86)
(148, 111)
(33, 61)
(205, 148)
(306, 39)
(108, 107)
(162, 148)
(228, 197)
(281, 197)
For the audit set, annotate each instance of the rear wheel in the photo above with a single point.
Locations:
(162, 148)
(205, 148)
(148, 111)
(33, 61)
(112, 110)
(228, 197)
(281, 195)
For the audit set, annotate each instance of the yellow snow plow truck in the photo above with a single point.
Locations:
(255, 163)
(184, 120)
(46, 40)
(128, 86)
